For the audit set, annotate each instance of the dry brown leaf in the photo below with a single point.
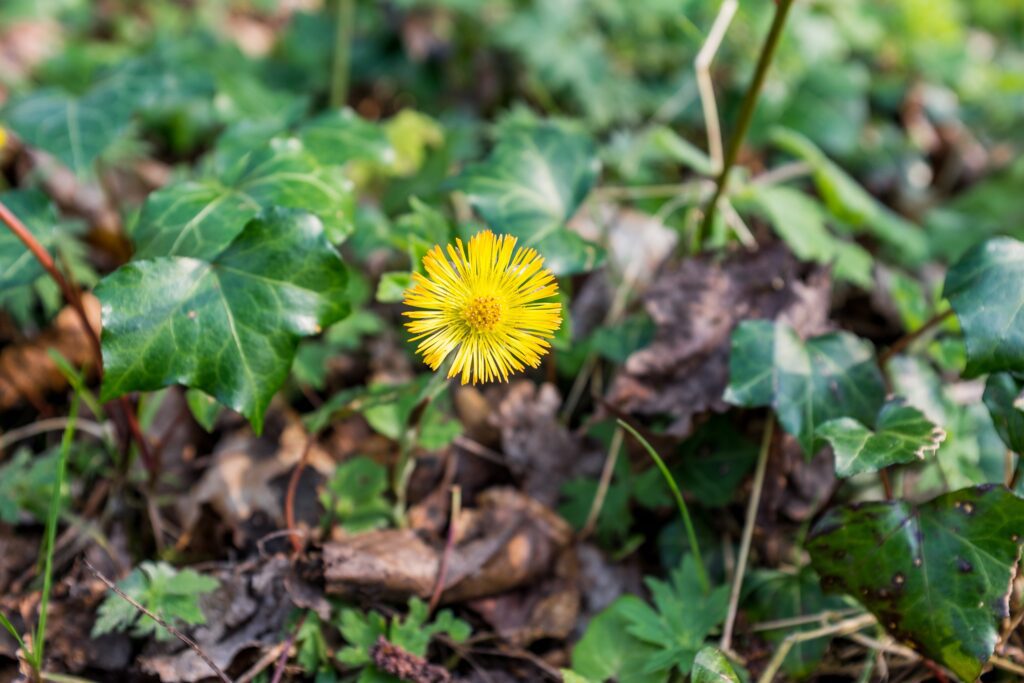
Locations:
(239, 481)
(27, 373)
(695, 307)
(546, 609)
(539, 450)
(247, 611)
(507, 541)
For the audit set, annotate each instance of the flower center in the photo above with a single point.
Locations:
(482, 313)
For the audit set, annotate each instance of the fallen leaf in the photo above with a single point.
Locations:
(26, 370)
(539, 450)
(248, 610)
(239, 482)
(695, 307)
(509, 540)
(546, 609)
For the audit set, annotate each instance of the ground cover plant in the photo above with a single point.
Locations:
(511, 340)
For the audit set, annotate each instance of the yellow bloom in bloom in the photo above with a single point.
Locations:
(484, 302)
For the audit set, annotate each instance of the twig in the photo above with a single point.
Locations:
(746, 113)
(748, 533)
(783, 173)
(702, 65)
(268, 658)
(614, 448)
(828, 615)
(691, 533)
(908, 339)
(53, 424)
(842, 628)
(883, 476)
(283, 658)
(1006, 664)
(449, 546)
(289, 499)
(170, 629)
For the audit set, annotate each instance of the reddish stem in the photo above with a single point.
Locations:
(449, 546)
(289, 499)
(46, 261)
(74, 299)
(908, 339)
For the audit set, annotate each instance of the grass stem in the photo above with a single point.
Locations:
(684, 512)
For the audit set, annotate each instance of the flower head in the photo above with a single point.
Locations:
(484, 302)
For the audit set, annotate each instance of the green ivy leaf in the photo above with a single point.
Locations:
(340, 136)
(902, 434)
(937, 575)
(806, 383)
(711, 666)
(682, 617)
(200, 218)
(17, 264)
(171, 594)
(530, 185)
(1002, 397)
(986, 289)
(228, 326)
(76, 131)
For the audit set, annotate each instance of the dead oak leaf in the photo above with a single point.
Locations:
(695, 307)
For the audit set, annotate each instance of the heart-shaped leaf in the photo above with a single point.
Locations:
(902, 434)
(986, 289)
(936, 575)
(17, 264)
(807, 383)
(531, 184)
(76, 130)
(339, 136)
(1002, 397)
(200, 218)
(228, 325)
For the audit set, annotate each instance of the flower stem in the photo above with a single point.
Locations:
(684, 512)
(343, 20)
(746, 114)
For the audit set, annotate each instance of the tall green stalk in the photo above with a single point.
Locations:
(684, 512)
(50, 538)
(746, 115)
(345, 14)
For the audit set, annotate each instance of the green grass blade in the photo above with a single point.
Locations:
(684, 512)
(51, 533)
(5, 622)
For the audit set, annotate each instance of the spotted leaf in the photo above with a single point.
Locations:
(936, 575)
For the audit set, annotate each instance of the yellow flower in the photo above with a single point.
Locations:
(484, 302)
